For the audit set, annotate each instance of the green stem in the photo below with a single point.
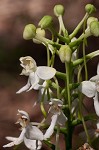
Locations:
(61, 75)
(53, 59)
(48, 56)
(68, 136)
(42, 103)
(46, 41)
(57, 138)
(89, 56)
(67, 83)
(85, 65)
(58, 88)
(78, 27)
(62, 26)
(82, 118)
(79, 77)
(84, 54)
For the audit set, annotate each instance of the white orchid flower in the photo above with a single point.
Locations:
(30, 135)
(58, 116)
(56, 109)
(91, 89)
(37, 75)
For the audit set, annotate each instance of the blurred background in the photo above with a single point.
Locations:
(14, 15)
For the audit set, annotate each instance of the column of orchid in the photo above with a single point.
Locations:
(65, 102)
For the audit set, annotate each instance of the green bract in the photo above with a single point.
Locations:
(45, 22)
(59, 10)
(90, 8)
(29, 32)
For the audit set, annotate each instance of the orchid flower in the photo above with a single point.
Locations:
(56, 109)
(37, 75)
(57, 118)
(91, 89)
(30, 135)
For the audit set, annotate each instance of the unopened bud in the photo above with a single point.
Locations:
(29, 32)
(45, 22)
(91, 19)
(90, 8)
(65, 53)
(39, 32)
(59, 10)
(94, 28)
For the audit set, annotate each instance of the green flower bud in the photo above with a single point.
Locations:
(65, 53)
(45, 22)
(59, 10)
(39, 32)
(29, 32)
(94, 28)
(91, 19)
(90, 8)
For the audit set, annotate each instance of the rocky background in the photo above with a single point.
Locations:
(14, 15)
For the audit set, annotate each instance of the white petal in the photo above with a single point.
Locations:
(51, 48)
(45, 72)
(20, 138)
(96, 103)
(97, 124)
(28, 63)
(88, 88)
(74, 55)
(62, 119)
(9, 144)
(32, 144)
(34, 80)
(97, 86)
(23, 114)
(15, 141)
(50, 130)
(98, 69)
(11, 138)
(56, 102)
(34, 133)
(95, 78)
(25, 88)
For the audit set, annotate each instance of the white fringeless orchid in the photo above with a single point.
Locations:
(91, 89)
(37, 75)
(30, 135)
(58, 116)
(56, 109)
